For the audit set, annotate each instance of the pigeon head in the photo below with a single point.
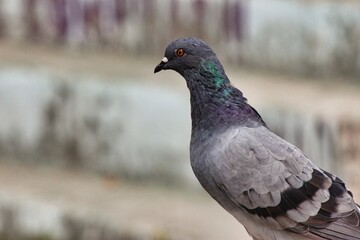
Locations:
(214, 101)
(189, 54)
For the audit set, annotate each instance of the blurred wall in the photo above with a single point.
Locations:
(115, 129)
(76, 123)
(304, 37)
(129, 130)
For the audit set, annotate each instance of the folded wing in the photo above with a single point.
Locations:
(274, 181)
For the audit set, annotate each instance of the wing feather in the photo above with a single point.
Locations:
(272, 179)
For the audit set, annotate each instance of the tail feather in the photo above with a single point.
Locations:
(343, 229)
(339, 217)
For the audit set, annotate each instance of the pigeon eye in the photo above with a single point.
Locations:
(180, 52)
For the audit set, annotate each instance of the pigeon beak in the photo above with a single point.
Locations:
(161, 65)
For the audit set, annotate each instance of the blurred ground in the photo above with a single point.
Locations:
(165, 213)
(161, 212)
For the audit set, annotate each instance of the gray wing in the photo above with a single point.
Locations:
(273, 180)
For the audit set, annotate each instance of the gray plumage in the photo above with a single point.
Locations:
(266, 183)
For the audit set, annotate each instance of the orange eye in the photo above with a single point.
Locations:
(180, 52)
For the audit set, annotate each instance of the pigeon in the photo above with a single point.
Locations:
(269, 185)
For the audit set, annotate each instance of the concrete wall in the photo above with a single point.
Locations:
(126, 129)
(116, 129)
(303, 37)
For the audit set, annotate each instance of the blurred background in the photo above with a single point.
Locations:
(93, 145)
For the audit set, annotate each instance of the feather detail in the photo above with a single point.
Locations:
(284, 188)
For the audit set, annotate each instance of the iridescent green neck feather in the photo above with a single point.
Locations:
(218, 76)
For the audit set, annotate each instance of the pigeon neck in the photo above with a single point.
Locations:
(216, 103)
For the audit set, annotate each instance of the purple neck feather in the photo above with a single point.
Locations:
(215, 103)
